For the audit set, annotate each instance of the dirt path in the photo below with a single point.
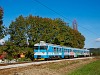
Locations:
(56, 68)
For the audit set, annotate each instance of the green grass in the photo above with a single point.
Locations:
(92, 68)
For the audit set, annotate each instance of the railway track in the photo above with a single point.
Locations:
(37, 63)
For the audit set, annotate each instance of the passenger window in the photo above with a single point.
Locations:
(64, 50)
(54, 48)
(59, 50)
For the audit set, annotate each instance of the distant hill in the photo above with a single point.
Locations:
(95, 51)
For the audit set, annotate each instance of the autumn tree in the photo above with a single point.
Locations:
(33, 29)
(17, 31)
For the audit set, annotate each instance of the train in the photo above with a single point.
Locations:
(45, 51)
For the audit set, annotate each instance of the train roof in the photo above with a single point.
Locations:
(42, 43)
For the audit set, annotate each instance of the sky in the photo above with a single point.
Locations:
(86, 13)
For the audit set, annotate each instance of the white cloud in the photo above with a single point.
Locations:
(97, 40)
(2, 42)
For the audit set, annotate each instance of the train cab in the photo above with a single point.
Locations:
(40, 50)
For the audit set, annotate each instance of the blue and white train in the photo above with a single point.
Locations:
(46, 51)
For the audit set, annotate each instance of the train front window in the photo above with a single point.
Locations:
(36, 47)
(43, 47)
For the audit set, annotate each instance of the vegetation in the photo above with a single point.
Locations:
(35, 29)
(89, 69)
(95, 51)
(1, 24)
(55, 68)
(26, 31)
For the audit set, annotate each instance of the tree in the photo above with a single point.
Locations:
(1, 22)
(17, 31)
(1, 16)
(36, 29)
(56, 41)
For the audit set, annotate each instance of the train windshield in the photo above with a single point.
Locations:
(40, 47)
(36, 47)
(43, 47)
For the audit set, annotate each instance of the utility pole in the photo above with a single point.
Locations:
(75, 25)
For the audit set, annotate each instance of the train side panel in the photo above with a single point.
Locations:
(54, 52)
(51, 51)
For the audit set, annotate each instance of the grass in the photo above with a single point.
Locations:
(60, 65)
(92, 68)
(56, 68)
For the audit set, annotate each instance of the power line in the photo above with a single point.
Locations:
(63, 16)
(89, 30)
(52, 10)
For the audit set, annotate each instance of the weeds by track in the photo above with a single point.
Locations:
(92, 68)
(58, 68)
